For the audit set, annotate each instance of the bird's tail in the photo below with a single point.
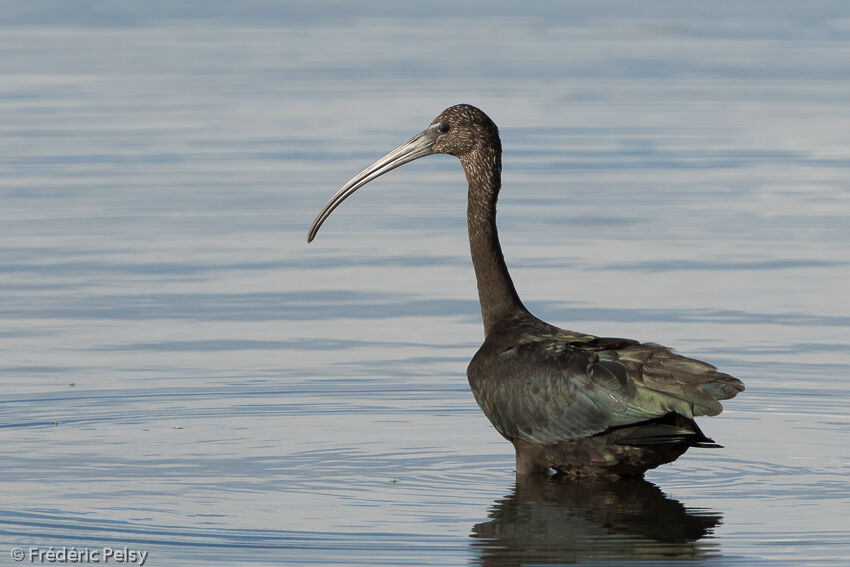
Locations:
(672, 429)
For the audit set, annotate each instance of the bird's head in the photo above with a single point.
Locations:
(462, 129)
(459, 131)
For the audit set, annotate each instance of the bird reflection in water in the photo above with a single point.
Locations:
(560, 520)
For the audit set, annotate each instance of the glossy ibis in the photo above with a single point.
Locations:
(580, 404)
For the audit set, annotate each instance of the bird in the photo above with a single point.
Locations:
(572, 404)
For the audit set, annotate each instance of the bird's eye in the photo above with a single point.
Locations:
(443, 128)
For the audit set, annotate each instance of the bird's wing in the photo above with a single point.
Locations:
(551, 391)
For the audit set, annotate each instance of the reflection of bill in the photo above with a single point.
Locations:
(565, 521)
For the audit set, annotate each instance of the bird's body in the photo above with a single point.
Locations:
(576, 403)
(591, 406)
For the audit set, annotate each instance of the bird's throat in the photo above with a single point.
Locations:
(496, 292)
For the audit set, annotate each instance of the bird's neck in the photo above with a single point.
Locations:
(499, 299)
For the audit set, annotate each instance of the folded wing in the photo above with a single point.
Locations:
(556, 390)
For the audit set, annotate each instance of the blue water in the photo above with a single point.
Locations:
(183, 374)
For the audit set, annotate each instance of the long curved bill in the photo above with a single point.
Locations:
(418, 146)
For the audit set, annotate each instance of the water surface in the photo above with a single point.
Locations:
(184, 374)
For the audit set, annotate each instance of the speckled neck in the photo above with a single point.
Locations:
(496, 292)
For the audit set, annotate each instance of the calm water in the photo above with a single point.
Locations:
(183, 374)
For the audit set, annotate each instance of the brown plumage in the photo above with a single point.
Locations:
(579, 404)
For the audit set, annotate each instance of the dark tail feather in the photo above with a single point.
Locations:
(702, 445)
(672, 429)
